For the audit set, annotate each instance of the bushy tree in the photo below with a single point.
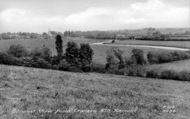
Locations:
(119, 54)
(63, 65)
(72, 54)
(139, 57)
(59, 46)
(9, 59)
(86, 55)
(17, 51)
(43, 52)
(111, 60)
(40, 63)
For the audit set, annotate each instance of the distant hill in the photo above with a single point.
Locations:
(162, 30)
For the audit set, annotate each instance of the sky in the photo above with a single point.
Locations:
(61, 15)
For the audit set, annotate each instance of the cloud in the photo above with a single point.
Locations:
(152, 13)
(15, 19)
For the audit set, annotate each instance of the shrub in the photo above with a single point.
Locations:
(152, 74)
(112, 61)
(163, 57)
(139, 57)
(55, 60)
(26, 61)
(184, 76)
(119, 54)
(153, 58)
(63, 65)
(115, 59)
(40, 63)
(168, 74)
(44, 53)
(9, 59)
(134, 70)
(17, 51)
(98, 68)
(75, 69)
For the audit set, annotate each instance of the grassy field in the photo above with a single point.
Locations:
(176, 66)
(29, 93)
(180, 44)
(99, 51)
(35, 43)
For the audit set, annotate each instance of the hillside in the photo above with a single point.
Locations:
(29, 93)
(177, 66)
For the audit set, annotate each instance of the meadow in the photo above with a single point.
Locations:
(29, 93)
(180, 44)
(99, 50)
(177, 66)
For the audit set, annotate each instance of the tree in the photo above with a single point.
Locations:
(43, 52)
(139, 57)
(86, 55)
(72, 54)
(119, 54)
(112, 60)
(59, 46)
(17, 51)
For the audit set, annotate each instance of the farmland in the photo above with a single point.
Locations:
(99, 51)
(38, 94)
(180, 44)
(25, 91)
(176, 66)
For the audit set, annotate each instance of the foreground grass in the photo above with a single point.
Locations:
(29, 93)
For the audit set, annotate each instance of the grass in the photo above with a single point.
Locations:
(25, 91)
(99, 51)
(176, 66)
(180, 44)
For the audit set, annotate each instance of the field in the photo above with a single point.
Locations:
(37, 94)
(99, 51)
(180, 44)
(176, 66)
(35, 43)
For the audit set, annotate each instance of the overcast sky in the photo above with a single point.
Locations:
(61, 15)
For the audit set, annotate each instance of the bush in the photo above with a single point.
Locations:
(39, 63)
(168, 74)
(112, 63)
(17, 51)
(134, 70)
(63, 65)
(152, 74)
(119, 54)
(164, 57)
(44, 53)
(184, 76)
(114, 60)
(139, 57)
(8, 59)
(26, 61)
(98, 68)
